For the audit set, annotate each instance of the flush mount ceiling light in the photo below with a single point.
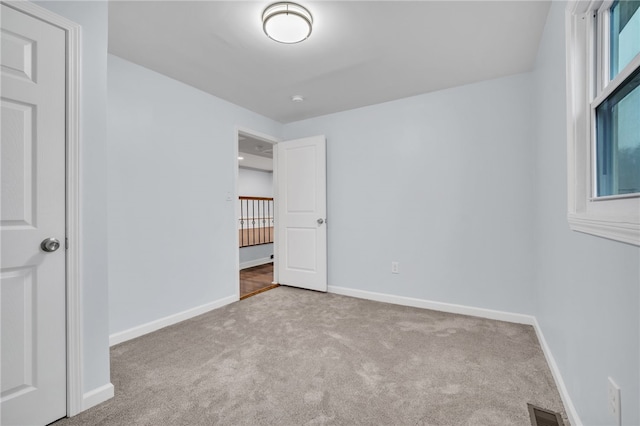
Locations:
(297, 98)
(287, 22)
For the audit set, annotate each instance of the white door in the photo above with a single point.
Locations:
(302, 213)
(32, 292)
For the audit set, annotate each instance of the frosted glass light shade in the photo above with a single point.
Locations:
(287, 22)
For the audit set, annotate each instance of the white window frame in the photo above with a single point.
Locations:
(615, 217)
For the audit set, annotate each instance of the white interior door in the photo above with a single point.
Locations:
(32, 152)
(302, 213)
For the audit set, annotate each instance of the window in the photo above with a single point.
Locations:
(624, 34)
(603, 88)
(618, 141)
(617, 137)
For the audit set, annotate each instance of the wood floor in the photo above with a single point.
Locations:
(256, 280)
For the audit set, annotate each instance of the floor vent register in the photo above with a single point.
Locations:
(541, 417)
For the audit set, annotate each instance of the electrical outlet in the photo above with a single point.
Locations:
(395, 268)
(614, 402)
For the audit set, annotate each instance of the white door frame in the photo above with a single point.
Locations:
(73, 231)
(271, 140)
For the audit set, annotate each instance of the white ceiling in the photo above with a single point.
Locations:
(360, 52)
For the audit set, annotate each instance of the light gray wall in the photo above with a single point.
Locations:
(172, 245)
(443, 184)
(93, 18)
(255, 183)
(252, 253)
(587, 287)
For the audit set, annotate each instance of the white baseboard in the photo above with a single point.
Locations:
(436, 306)
(555, 371)
(476, 312)
(132, 333)
(97, 396)
(255, 262)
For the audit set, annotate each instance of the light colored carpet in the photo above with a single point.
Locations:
(296, 357)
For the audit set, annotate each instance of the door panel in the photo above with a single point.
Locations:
(32, 281)
(301, 260)
(18, 288)
(18, 168)
(302, 210)
(301, 188)
(17, 55)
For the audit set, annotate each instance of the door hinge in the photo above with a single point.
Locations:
(66, 243)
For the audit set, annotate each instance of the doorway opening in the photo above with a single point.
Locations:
(255, 213)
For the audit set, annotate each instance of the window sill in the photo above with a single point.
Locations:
(626, 232)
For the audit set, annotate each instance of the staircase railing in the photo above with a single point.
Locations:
(255, 225)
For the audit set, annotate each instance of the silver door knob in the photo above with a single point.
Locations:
(50, 245)
(320, 221)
